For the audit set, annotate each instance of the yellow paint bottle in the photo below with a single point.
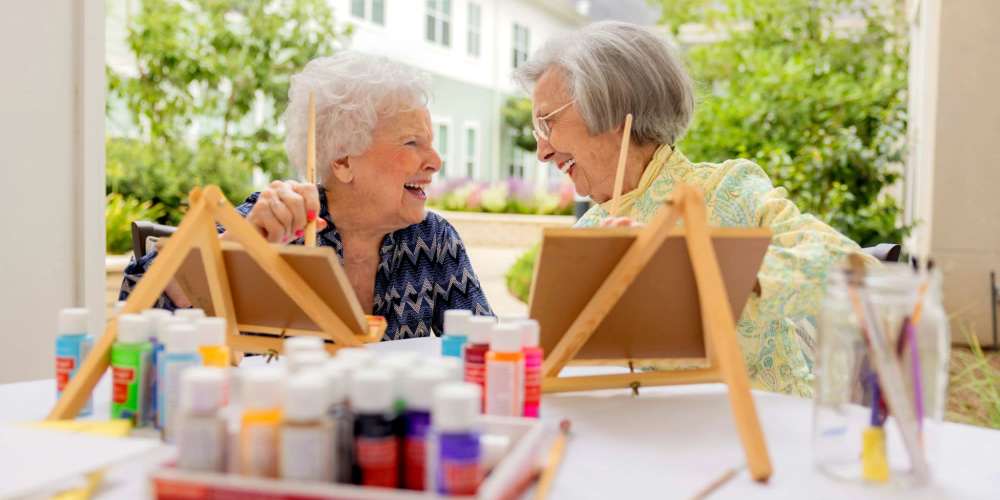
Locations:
(212, 342)
(261, 422)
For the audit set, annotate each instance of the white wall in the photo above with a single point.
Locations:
(52, 171)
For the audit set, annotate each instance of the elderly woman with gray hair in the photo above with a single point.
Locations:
(374, 158)
(583, 86)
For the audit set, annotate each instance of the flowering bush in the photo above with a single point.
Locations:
(510, 196)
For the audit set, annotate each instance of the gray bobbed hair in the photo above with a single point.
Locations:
(614, 68)
(353, 91)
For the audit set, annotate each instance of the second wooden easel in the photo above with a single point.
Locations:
(725, 360)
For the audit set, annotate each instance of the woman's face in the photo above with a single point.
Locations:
(589, 160)
(390, 179)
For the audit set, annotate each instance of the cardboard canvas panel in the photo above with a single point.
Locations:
(659, 316)
(260, 304)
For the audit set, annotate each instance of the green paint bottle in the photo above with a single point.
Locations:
(131, 357)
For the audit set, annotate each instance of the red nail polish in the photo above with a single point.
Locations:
(310, 215)
(299, 233)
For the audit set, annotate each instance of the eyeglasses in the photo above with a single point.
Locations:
(542, 129)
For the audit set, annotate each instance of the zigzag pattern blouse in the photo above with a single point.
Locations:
(423, 271)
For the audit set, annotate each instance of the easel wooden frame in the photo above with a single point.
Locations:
(725, 359)
(198, 230)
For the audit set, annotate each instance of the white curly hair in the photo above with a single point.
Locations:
(353, 90)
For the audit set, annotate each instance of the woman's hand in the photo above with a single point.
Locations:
(283, 210)
(619, 222)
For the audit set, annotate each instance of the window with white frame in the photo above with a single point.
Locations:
(439, 22)
(471, 150)
(520, 45)
(516, 166)
(441, 143)
(474, 34)
(372, 10)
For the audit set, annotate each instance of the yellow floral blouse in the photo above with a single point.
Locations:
(775, 330)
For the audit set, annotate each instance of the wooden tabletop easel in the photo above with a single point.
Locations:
(198, 231)
(725, 361)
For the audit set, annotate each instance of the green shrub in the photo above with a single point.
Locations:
(521, 273)
(119, 213)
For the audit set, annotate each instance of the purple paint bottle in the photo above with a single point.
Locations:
(418, 391)
(457, 407)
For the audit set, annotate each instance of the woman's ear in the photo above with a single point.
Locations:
(341, 170)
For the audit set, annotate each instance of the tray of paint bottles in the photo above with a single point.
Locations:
(360, 424)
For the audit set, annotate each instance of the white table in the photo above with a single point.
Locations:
(667, 443)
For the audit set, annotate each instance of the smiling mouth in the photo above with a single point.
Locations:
(566, 167)
(416, 189)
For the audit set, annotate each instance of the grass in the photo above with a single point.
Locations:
(974, 385)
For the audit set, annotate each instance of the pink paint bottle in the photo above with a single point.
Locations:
(533, 357)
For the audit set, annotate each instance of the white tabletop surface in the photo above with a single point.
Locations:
(667, 443)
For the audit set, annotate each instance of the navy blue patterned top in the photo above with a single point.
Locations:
(423, 272)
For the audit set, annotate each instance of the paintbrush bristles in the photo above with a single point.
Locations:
(310, 235)
(622, 160)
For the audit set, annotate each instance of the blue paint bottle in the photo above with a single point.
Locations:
(455, 333)
(160, 318)
(180, 354)
(72, 346)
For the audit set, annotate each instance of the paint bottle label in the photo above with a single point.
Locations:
(71, 350)
(129, 376)
(475, 365)
(376, 451)
(259, 450)
(201, 443)
(171, 368)
(502, 389)
(307, 452)
(459, 472)
(532, 381)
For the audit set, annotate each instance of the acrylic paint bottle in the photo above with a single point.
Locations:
(505, 372)
(180, 354)
(455, 334)
(159, 318)
(306, 360)
(306, 443)
(376, 444)
(418, 389)
(479, 330)
(454, 420)
(130, 360)
(212, 341)
(533, 358)
(453, 367)
(339, 413)
(261, 421)
(72, 346)
(190, 314)
(201, 429)
(305, 343)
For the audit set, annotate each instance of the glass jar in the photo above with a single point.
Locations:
(845, 375)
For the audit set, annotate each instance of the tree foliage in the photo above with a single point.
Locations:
(814, 91)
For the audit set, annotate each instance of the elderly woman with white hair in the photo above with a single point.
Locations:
(584, 84)
(374, 158)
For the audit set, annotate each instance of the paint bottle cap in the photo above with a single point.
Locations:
(133, 329)
(506, 338)
(455, 321)
(513, 318)
(410, 358)
(263, 388)
(479, 329)
(211, 330)
(302, 344)
(202, 389)
(372, 391)
(453, 367)
(529, 332)
(399, 368)
(418, 387)
(306, 397)
(304, 360)
(190, 314)
(338, 377)
(363, 356)
(181, 338)
(73, 320)
(157, 317)
(456, 406)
